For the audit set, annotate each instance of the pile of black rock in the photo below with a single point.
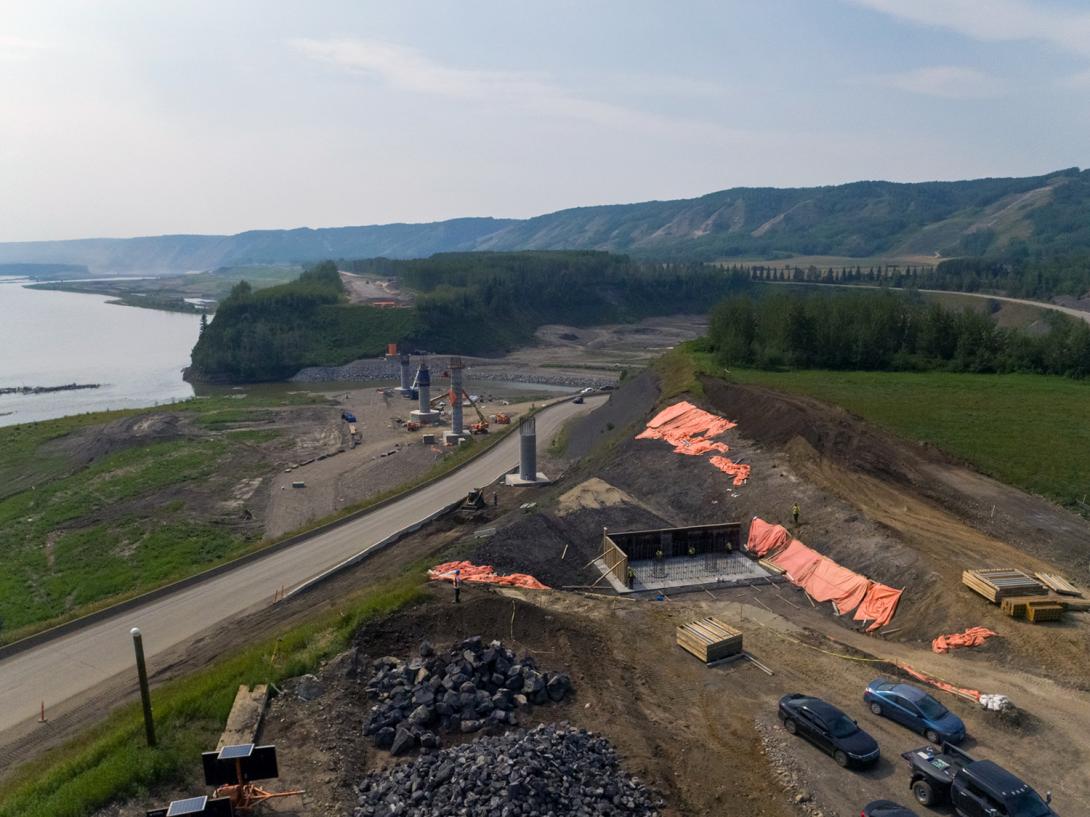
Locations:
(549, 770)
(471, 686)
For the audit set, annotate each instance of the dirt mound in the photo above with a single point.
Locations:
(83, 447)
(592, 494)
(557, 549)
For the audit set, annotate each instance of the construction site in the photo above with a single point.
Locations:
(654, 581)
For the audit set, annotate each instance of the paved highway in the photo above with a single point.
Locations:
(66, 667)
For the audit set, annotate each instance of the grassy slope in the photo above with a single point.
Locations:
(99, 564)
(97, 552)
(112, 762)
(1025, 430)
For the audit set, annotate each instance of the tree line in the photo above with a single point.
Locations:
(1014, 274)
(886, 331)
(464, 303)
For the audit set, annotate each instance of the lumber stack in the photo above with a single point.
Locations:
(996, 584)
(1054, 581)
(709, 639)
(1045, 611)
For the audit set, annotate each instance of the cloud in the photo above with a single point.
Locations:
(407, 69)
(945, 81)
(995, 20)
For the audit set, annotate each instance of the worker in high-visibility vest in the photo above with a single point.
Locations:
(795, 511)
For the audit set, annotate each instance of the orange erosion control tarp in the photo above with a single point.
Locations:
(764, 537)
(821, 577)
(878, 606)
(483, 574)
(798, 561)
(973, 637)
(690, 431)
(730, 468)
(828, 581)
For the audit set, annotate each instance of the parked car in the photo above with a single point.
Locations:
(914, 708)
(828, 728)
(975, 788)
(886, 808)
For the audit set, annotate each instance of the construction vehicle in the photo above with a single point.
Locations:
(412, 425)
(473, 507)
(481, 426)
(503, 419)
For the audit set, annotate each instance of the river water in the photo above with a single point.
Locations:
(54, 338)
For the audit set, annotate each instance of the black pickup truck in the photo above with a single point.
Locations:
(975, 788)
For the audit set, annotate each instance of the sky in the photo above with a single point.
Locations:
(141, 118)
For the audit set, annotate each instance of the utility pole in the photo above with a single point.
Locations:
(145, 693)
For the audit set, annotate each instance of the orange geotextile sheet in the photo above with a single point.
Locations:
(764, 537)
(688, 429)
(878, 606)
(483, 574)
(973, 637)
(798, 561)
(828, 581)
(962, 692)
(730, 468)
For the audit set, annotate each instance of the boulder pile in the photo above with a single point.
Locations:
(469, 687)
(550, 770)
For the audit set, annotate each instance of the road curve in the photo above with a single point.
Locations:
(69, 666)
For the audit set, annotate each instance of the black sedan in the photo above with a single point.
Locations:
(885, 808)
(828, 728)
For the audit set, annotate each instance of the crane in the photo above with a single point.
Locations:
(481, 426)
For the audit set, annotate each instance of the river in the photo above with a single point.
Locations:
(54, 338)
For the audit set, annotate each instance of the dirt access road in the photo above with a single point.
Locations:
(64, 668)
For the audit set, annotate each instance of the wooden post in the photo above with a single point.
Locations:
(145, 692)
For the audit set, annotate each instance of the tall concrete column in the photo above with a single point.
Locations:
(423, 386)
(528, 449)
(406, 374)
(456, 422)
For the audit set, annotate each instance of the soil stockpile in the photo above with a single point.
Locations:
(550, 770)
(469, 687)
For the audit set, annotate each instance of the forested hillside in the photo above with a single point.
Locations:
(854, 330)
(467, 303)
(1041, 216)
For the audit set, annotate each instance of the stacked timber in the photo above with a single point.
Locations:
(1040, 608)
(1000, 583)
(709, 639)
(1047, 611)
(1055, 581)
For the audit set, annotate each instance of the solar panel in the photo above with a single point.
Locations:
(192, 805)
(259, 765)
(235, 752)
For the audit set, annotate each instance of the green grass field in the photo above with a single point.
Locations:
(1026, 430)
(74, 537)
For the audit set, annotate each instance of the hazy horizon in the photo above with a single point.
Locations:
(205, 120)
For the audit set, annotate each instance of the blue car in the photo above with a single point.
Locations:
(914, 708)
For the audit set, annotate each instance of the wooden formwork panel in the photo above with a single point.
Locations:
(709, 639)
(1000, 583)
(1056, 582)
